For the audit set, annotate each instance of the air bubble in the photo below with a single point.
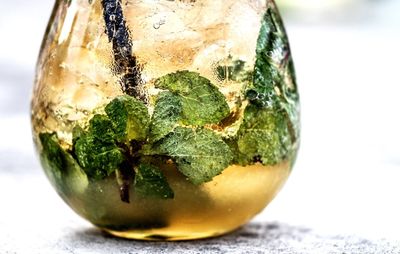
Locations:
(158, 24)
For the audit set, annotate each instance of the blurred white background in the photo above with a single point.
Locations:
(347, 177)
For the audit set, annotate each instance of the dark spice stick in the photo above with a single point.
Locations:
(124, 60)
(126, 173)
(126, 176)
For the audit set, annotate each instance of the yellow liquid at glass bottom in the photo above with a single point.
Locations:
(209, 210)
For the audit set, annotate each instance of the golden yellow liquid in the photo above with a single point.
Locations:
(214, 208)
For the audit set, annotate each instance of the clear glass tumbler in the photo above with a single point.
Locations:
(166, 119)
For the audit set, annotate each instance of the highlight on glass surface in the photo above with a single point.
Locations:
(166, 119)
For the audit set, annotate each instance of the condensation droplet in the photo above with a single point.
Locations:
(158, 24)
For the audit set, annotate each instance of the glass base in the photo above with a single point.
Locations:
(166, 235)
(230, 201)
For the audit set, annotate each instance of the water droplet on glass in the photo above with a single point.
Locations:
(158, 24)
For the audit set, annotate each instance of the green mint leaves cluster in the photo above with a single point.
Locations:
(128, 142)
(270, 127)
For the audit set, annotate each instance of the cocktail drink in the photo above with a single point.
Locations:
(166, 119)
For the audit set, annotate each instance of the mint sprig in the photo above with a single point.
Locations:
(126, 142)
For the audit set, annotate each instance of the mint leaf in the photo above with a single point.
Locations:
(150, 182)
(264, 136)
(202, 102)
(199, 154)
(60, 166)
(167, 113)
(52, 155)
(130, 118)
(274, 79)
(101, 128)
(96, 150)
(98, 159)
